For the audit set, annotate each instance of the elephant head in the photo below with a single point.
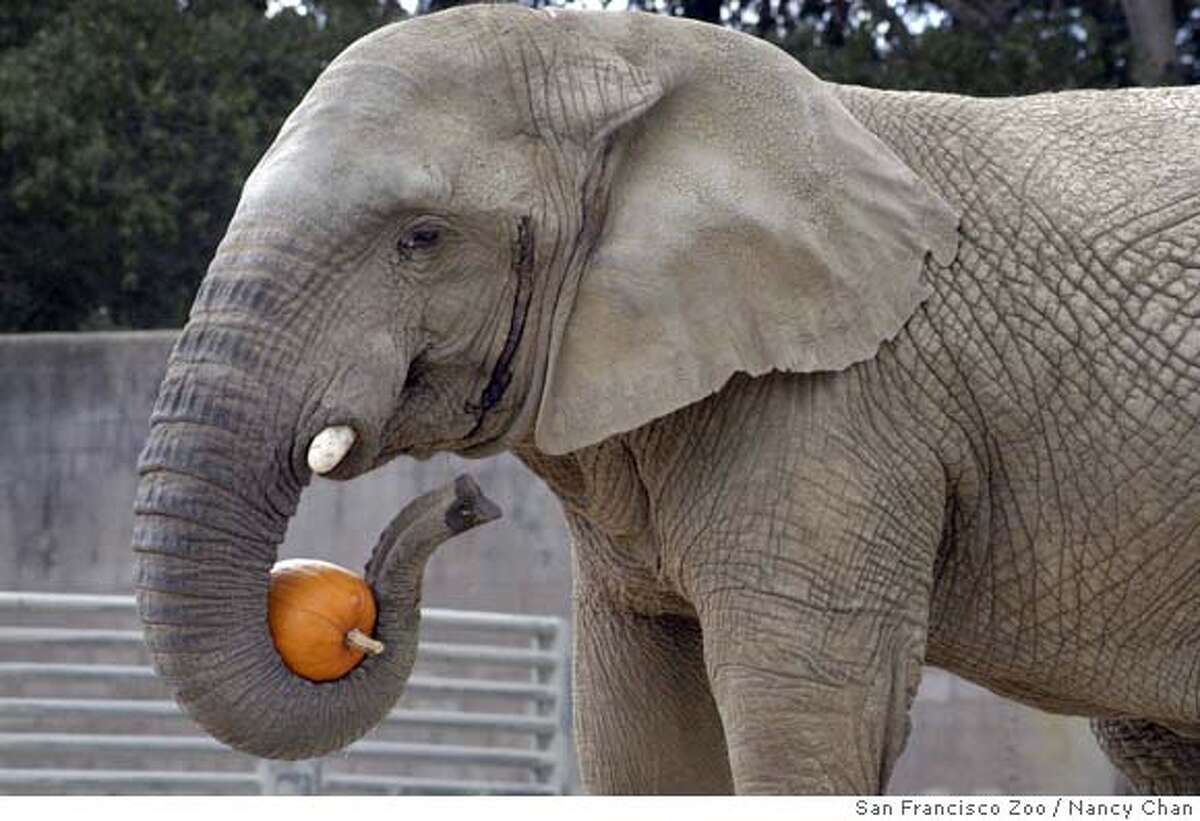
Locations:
(485, 229)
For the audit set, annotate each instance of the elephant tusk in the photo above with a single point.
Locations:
(329, 448)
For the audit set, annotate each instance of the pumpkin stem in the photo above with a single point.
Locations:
(360, 641)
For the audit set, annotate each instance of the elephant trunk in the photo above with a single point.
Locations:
(221, 476)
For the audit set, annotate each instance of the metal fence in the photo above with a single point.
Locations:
(486, 712)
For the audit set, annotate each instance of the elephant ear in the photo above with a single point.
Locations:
(753, 225)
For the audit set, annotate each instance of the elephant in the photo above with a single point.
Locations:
(831, 382)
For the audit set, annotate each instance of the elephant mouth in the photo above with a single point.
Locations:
(484, 448)
(424, 451)
(472, 442)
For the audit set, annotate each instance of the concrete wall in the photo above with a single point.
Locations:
(74, 411)
(73, 416)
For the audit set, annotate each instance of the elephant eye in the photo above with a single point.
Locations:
(420, 238)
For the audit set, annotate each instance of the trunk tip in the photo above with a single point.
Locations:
(471, 508)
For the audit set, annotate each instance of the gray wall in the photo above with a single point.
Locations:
(74, 411)
(73, 415)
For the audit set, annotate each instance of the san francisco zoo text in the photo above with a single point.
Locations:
(1050, 807)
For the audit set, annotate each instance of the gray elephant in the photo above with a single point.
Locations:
(831, 383)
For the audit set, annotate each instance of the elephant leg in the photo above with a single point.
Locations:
(1156, 760)
(645, 721)
(813, 600)
(802, 715)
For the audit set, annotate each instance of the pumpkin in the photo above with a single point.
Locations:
(321, 618)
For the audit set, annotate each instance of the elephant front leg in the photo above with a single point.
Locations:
(814, 627)
(807, 706)
(645, 721)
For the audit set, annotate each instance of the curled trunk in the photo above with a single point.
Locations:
(215, 497)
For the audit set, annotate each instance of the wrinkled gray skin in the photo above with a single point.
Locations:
(831, 383)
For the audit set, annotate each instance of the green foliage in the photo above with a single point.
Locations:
(126, 130)
(1058, 49)
(988, 47)
(21, 19)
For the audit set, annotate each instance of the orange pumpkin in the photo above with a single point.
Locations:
(321, 618)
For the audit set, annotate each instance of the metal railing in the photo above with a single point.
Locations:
(521, 729)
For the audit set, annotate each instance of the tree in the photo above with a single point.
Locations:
(975, 46)
(20, 20)
(1153, 28)
(127, 127)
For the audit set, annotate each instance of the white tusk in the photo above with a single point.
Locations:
(329, 448)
